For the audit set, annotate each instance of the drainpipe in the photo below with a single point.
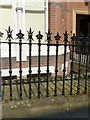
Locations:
(18, 16)
(18, 20)
(14, 17)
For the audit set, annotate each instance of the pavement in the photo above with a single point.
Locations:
(43, 106)
(80, 112)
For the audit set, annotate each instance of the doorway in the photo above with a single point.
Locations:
(82, 24)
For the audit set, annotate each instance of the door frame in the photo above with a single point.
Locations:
(75, 12)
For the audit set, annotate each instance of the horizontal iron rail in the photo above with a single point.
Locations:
(26, 81)
(8, 77)
(50, 44)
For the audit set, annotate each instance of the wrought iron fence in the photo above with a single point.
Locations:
(83, 49)
(75, 75)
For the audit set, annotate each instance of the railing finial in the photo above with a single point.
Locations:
(57, 37)
(48, 36)
(1, 34)
(66, 36)
(9, 33)
(30, 34)
(39, 36)
(20, 35)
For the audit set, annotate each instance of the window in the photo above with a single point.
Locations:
(35, 17)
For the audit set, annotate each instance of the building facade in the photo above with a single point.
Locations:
(40, 15)
(73, 16)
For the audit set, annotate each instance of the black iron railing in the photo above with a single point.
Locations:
(78, 46)
(1, 35)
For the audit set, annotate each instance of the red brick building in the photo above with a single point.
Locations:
(71, 16)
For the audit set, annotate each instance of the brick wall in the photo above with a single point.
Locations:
(60, 16)
(25, 64)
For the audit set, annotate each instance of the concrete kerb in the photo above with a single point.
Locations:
(65, 102)
(44, 105)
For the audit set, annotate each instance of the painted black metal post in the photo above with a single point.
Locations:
(30, 34)
(9, 37)
(57, 38)
(87, 61)
(20, 37)
(1, 35)
(48, 50)
(64, 69)
(79, 67)
(72, 57)
(39, 37)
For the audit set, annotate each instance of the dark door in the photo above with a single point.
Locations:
(89, 27)
(85, 25)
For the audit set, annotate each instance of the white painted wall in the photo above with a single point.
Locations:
(5, 21)
(7, 2)
(5, 72)
(25, 51)
(22, 20)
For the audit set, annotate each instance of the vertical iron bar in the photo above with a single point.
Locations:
(57, 38)
(79, 72)
(64, 69)
(1, 35)
(30, 70)
(56, 70)
(47, 93)
(20, 37)
(87, 62)
(72, 57)
(39, 49)
(48, 49)
(79, 68)
(86, 78)
(9, 37)
(39, 37)
(20, 66)
(10, 69)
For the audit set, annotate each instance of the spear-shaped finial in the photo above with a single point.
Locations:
(48, 36)
(9, 33)
(30, 34)
(57, 37)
